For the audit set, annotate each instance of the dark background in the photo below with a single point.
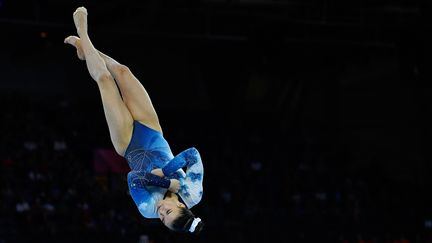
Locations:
(312, 118)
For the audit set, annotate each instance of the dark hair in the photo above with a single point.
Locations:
(184, 221)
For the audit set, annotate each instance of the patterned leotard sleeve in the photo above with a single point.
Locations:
(142, 179)
(191, 189)
(146, 151)
(149, 150)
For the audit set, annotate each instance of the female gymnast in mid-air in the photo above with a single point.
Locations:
(157, 183)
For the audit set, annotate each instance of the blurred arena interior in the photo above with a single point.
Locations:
(312, 118)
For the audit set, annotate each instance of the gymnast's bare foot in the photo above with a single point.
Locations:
(80, 20)
(76, 42)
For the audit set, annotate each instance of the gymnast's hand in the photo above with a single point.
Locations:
(174, 186)
(158, 172)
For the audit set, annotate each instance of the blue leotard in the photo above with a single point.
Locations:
(149, 150)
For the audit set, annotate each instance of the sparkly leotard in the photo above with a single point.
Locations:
(149, 150)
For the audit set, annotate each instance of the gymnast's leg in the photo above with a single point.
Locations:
(119, 119)
(133, 92)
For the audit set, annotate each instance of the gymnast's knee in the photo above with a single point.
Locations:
(121, 70)
(104, 77)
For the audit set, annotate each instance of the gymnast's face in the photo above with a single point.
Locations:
(168, 211)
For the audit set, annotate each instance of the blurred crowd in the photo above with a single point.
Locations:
(50, 191)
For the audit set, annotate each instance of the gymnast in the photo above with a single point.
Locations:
(157, 183)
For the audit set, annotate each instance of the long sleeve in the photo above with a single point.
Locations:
(142, 179)
(145, 198)
(191, 189)
(188, 158)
